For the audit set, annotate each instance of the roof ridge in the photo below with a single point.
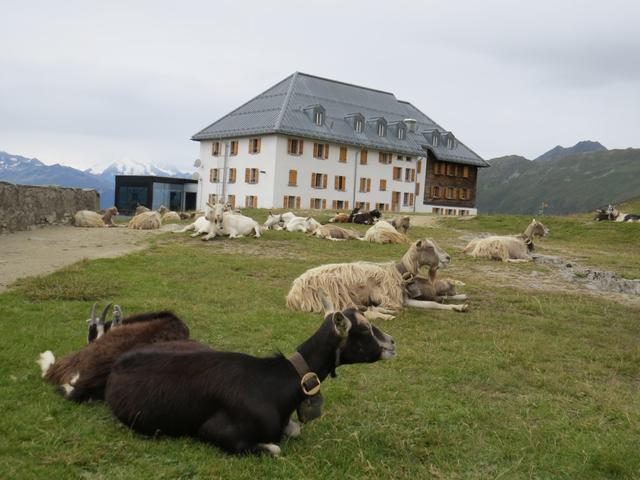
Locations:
(285, 103)
(346, 83)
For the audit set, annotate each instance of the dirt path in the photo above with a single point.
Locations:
(36, 252)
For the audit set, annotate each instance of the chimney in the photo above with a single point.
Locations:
(411, 124)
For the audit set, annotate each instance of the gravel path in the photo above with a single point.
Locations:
(40, 251)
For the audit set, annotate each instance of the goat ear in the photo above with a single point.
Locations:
(327, 304)
(419, 243)
(341, 324)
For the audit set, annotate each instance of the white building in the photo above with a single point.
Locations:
(309, 142)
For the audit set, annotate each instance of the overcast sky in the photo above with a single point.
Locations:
(87, 83)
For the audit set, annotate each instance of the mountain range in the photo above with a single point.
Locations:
(567, 180)
(31, 171)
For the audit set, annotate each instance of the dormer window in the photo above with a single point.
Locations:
(382, 129)
(401, 133)
(358, 124)
(451, 141)
(435, 140)
(315, 113)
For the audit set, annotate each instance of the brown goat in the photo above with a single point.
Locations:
(401, 224)
(82, 375)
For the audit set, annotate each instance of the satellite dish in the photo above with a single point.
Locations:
(196, 175)
(197, 163)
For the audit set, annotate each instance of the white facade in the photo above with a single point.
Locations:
(274, 162)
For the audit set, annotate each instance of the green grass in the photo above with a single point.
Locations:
(526, 385)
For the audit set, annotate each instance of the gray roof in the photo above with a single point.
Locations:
(284, 108)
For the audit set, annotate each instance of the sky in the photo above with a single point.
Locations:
(88, 83)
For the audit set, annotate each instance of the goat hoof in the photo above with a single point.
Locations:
(463, 308)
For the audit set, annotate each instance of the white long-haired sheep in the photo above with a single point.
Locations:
(87, 218)
(384, 232)
(168, 215)
(146, 221)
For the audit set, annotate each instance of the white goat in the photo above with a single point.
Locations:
(224, 222)
(302, 224)
(507, 248)
(200, 227)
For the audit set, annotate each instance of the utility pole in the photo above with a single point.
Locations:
(224, 171)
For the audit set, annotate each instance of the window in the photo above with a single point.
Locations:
(408, 159)
(464, 194)
(407, 199)
(251, 201)
(439, 168)
(382, 206)
(291, 202)
(215, 149)
(407, 174)
(343, 155)
(214, 175)
(339, 204)
(293, 178)
(251, 175)
(319, 180)
(321, 150)
(232, 175)
(365, 185)
(383, 185)
(382, 129)
(340, 183)
(385, 157)
(465, 172)
(295, 146)
(451, 192)
(450, 142)
(318, 203)
(419, 166)
(400, 133)
(364, 155)
(234, 147)
(358, 125)
(231, 200)
(397, 173)
(363, 205)
(319, 117)
(254, 145)
(435, 139)
(451, 170)
(435, 192)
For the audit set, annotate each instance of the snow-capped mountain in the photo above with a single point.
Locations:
(31, 171)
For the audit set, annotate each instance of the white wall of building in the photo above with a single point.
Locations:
(274, 162)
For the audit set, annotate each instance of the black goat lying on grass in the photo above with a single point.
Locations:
(82, 375)
(236, 401)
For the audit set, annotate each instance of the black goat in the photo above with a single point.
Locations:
(82, 375)
(99, 326)
(368, 218)
(236, 401)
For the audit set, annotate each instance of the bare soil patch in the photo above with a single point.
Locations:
(44, 250)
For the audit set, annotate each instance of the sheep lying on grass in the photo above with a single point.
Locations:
(146, 221)
(87, 218)
(333, 232)
(383, 232)
(507, 248)
(167, 215)
(377, 288)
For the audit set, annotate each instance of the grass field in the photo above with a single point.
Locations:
(538, 384)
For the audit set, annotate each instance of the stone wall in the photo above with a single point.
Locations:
(24, 206)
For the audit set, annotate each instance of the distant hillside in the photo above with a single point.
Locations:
(31, 171)
(585, 146)
(568, 184)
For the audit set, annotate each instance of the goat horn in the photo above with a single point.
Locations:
(93, 312)
(103, 315)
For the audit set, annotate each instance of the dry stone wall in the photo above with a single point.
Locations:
(25, 206)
